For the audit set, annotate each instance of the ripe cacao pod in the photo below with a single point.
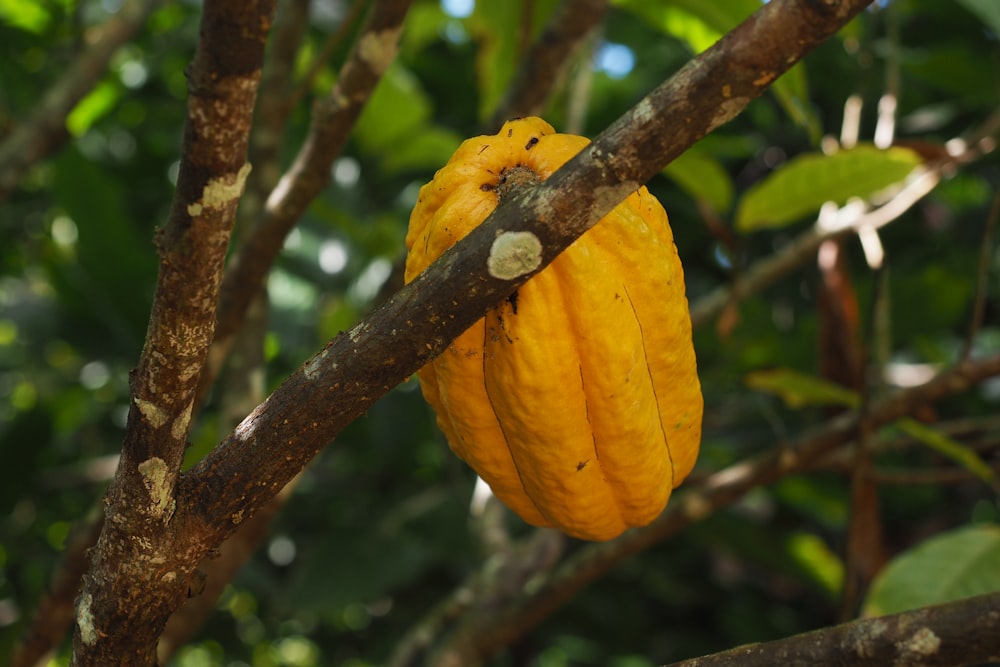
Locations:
(577, 399)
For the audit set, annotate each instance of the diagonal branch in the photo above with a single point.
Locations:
(341, 382)
(44, 130)
(945, 635)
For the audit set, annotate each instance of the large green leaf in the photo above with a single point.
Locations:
(802, 185)
(988, 12)
(952, 566)
(703, 177)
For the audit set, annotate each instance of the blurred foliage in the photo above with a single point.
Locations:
(378, 530)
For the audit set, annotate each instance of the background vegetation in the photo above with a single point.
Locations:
(378, 530)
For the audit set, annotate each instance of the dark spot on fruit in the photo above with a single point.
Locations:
(531, 143)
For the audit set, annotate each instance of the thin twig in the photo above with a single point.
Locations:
(982, 277)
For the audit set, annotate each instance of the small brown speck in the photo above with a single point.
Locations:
(531, 143)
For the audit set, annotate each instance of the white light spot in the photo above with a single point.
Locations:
(458, 9)
(133, 73)
(366, 287)
(615, 60)
(94, 375)
(332, 256)
(64, 231)
(281, 551)
(346, 172)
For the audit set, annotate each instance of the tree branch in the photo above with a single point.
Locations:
(44, 129)
(545, 63)
(139, 574)
(332, 120)
(945, 635)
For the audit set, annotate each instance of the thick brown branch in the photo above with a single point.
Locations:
(138, 573)
(546, 62)
(44, 129)
(945, 635)
(478, 640)
(333, 118)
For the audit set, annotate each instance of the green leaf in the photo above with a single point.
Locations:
(803, 184)
(954, 450)
(703, 177)
(988, 12)
(93, 107)
(28, 15)
(381, 126)
(952, 566)
(799, 389)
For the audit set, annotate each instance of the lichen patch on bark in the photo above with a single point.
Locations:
(153, 414)
(85, 620)
(514, 254)
(221, 191)
(378, 49)
(155, 476)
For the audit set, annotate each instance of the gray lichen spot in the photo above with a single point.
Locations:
(85, 620)
(219, 192)
(154, 414)
(922, 643)
(154, 475)
(644, 111)
(378, 49)
(313, 366)
(178, 430)
(514, 254)
(728, 110)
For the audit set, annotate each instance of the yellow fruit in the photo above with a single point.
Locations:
(577, 399)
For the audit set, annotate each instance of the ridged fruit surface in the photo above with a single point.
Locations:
(577, 399)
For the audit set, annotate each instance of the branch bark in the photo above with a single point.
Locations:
(546, 62)
(140, 570)
(945, 635)
(332, 120)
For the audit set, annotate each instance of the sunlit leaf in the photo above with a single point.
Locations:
(28, 15)
(952, 566)
(803, 184)
(954, 450)
(818, 560)
(800, 389)
(92, 107)
(703, 177)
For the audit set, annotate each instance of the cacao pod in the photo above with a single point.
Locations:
(577, 399)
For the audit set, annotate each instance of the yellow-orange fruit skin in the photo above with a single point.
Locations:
(577, 400)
